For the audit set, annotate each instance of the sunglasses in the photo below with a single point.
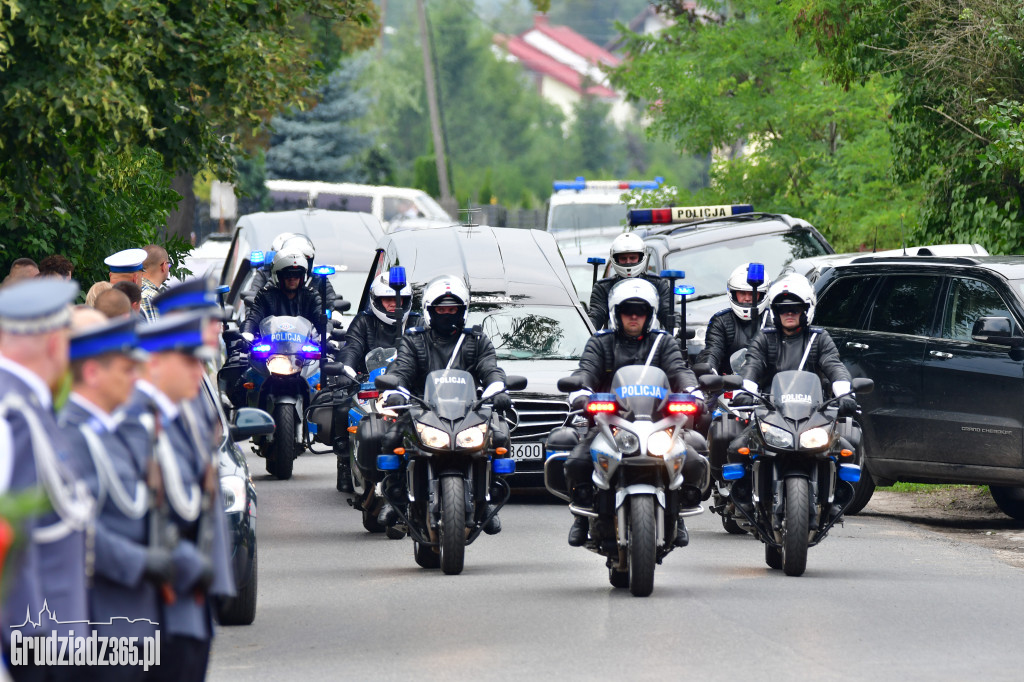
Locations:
(795, 308)
(633, 310)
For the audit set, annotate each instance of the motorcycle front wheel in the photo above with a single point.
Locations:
(641, 545)
(796, 526)
(452, 529)
(284, 448)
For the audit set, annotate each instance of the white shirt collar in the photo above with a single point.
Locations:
(167, 406)
(31, 379)
(109, 423)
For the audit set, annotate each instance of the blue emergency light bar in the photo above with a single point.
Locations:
(755, 273)
(396, 277)
(685, 214)
(222, 289)
(596, 259)
(733, 472)
(685, 290)
(672, 274)
(256, 259)
(504, 466)
(323, 270)
(580, 184)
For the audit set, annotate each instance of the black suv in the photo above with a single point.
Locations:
(943, 341)
(709, 250)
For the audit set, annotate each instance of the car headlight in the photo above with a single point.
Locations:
(281, 364)
(473, 437)
(660, 444)
(776, 437)
(813, 439)
(232, 488)
(626, 441)
(431, 437)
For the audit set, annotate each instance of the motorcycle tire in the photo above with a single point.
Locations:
(862, 492)
(618, 579)
(773, 557)
(641, 545)
(452, 529)
(425, 556)
(795, 526)
(284, 447)
(731, 527)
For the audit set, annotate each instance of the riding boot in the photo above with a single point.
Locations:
(682, 537)
(344, 474)
(579, 531)
(492, 527)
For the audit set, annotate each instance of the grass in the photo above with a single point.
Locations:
(901, 487)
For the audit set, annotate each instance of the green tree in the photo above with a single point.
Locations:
(748, 89)
(958, 73)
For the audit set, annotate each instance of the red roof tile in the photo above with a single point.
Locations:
(537, 61)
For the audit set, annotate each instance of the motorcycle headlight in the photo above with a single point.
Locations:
(232, 489)
(431, 437)
(775, 436)
(813, 439)
(660, 443)
(626, 441)
(281, 364)
(473, 437)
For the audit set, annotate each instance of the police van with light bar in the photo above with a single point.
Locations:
(582, 204)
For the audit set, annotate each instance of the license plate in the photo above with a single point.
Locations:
(524, 451)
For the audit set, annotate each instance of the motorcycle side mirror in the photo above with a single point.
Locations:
(862, 385)
(569, 384)
(515, 382)
(386, 383)
(249, 422)
(342, 306)
(702, 368)
(332, 369)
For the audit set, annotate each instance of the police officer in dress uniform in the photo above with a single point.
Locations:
(127, 567)
(48, 582)
(126, 266)
(169, 378)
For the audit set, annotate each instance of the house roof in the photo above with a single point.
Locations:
(574, 41)
(541, 63)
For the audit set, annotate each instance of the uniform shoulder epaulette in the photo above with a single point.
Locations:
(415, 330)
(768, 330)
(815, 329)
(721, 312)
(613, 278)
(657, 331)
(603, 332)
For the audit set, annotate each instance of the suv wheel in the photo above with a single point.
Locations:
(1009, 500)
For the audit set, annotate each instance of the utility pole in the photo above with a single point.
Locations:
(435, 119)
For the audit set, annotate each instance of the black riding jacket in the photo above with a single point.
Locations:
(262, 278)
(272, 301)
(726, 334)
(771, 352)
(365, 334)
(598, 311)
(422, 351)
(607, 351)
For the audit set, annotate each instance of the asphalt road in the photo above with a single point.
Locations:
(881, 600)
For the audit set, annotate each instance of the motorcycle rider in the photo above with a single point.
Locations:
(444, 342)
(629, 259)
(380, 326)
(286, 295)
(729, 330)
(291, 241)
(634, 339)
(794, 344)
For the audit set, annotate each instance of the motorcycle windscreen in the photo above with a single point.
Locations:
(449, 393)
(286, 334)
(640, 389)
(796, 394)
(377, 361)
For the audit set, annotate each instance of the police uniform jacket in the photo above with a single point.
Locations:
(726, 334)
(119, 593)
(771, 352)
(423, 351)
(187, 616)
(262, 278)
(607, 351)
(272, 301)
(364, 334)
(598, 311)
(51, 570)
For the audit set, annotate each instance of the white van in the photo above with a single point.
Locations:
(581, 204)
(398, 208)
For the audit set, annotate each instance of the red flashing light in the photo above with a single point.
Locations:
(601, 407)
(368, 395)
(661, 215)
(682, 408)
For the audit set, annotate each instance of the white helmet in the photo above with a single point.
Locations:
(629, 292)
(381, 288)
(280, 239)
(628, 243)
(288, 260)
(445, 290)
(793, 288)
(738, 282)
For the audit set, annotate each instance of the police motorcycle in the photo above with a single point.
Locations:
(639, 458)
(451, 475)
(800, 473)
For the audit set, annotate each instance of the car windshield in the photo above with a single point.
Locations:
(583, 278)
(569, 216)
(521, 332)
(348, 285)
(431, 208)
(708, 267)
